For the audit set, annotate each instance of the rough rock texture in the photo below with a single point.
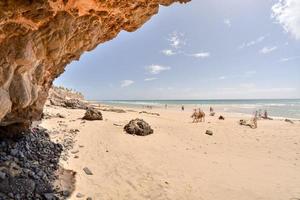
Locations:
(64, 93)
(92, 114)
(59, 96)
(29, 168)
(39, 38)
(138, 127)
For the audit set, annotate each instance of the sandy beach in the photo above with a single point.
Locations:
(179, 161)
(104, 100)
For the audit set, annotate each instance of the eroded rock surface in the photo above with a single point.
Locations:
(63, 97)
(39, 38)
(138, 127)
(92, 114)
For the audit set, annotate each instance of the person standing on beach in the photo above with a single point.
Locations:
(260, 113)
(182, 108)
(266, 114)
(256, 114)
(166, 106)
(211, 111)
(254, 120)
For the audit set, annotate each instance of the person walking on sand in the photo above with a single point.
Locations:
(194, 116)
(182, 108)
(256, 114)
(266, 115)
(260, 113)
(211, 111)
(201, 115)
(254, 120)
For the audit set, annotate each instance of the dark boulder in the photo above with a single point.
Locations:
(138, 127)
(92, 114)
(209, 132)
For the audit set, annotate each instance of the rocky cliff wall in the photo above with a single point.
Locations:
(38, 38)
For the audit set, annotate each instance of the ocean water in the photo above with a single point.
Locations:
(287, 108)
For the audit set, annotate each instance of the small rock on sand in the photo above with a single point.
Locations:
(209, 132)
(60, 115)
(87, 171)
(289, 121)
(221, 117)
(74, 152)
(149, 113)
(79, 195)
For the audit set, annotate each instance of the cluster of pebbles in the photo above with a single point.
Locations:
(28, 167)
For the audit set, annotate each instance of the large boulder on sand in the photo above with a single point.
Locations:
(92, 114)
(138, 127)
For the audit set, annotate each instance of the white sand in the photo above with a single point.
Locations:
(179, 161)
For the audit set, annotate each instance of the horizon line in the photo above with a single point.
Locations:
(298, 98)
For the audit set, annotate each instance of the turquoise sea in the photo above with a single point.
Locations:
(288, 108)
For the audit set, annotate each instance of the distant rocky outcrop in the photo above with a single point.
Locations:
(149, 113)
(60, 96)
(38, 39)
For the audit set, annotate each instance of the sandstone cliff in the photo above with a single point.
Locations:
(39, 38)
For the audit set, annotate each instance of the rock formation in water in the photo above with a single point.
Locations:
(39, 38)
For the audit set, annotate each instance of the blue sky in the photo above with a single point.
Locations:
(206, 49)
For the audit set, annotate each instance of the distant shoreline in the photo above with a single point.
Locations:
(279, 108)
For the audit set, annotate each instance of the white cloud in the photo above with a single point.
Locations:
(126, 83)
(288, 59)
(253, 42)
(222, 77)
(278, 89)
(168, 52)
(150, 79)
(250, 73)
(156, 69)
(266, 50)
(177, 40)
(165, 89)
(201, 55)
(251, 89)
(227, 22)
(287, 13)
(247, 85)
